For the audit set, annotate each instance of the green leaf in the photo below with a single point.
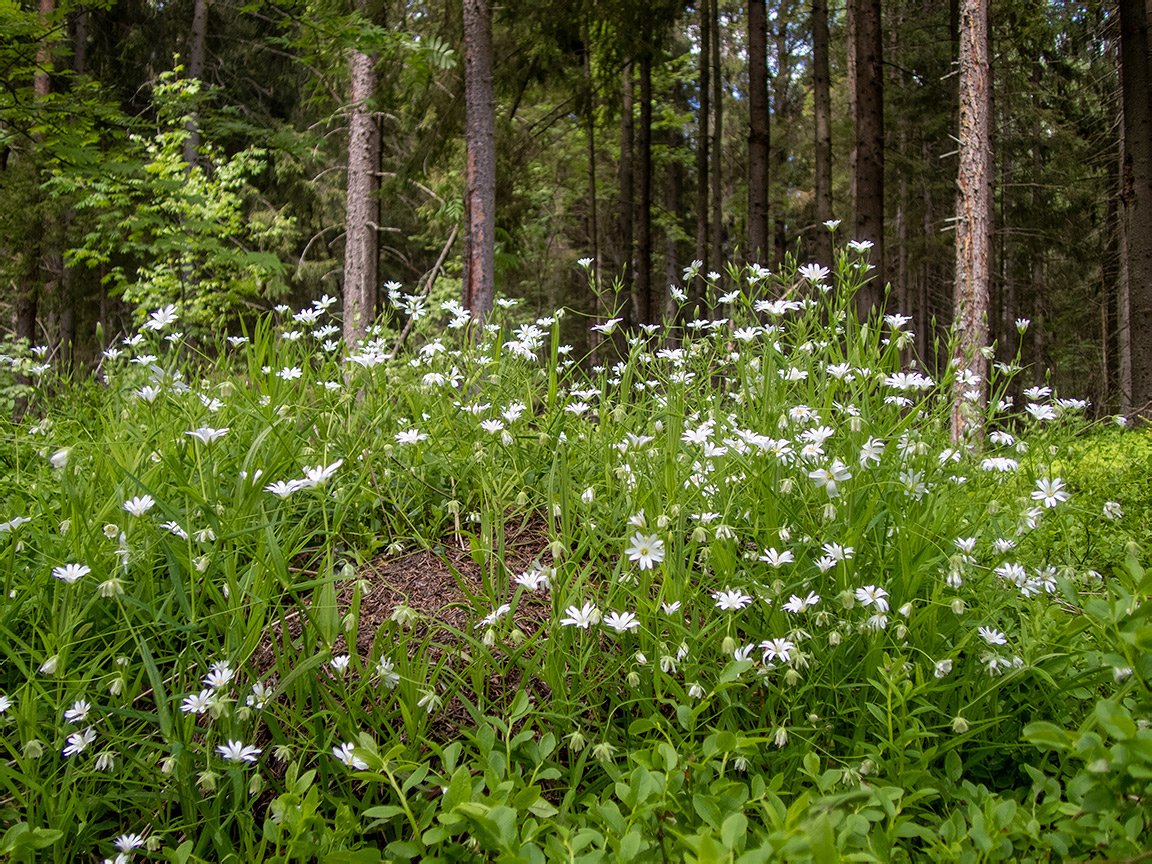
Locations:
(159, 696)
(953, 766)
(1049, 735)
(733, 830)
(1115, 719)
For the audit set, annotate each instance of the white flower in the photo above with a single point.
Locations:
(139, 505)
(621, 621)
(429, 701)
(5, 702)
(220, 674)
(284, 488)
(259, 696)
(943, 668)
(206, 434)
(238, 751)
(827, 478)
(860, 245)
(339, 663)
(1049, 491)
(78, 712)
(128, 842)
(78, 741)
(60, 458)
(198, 703)
(645, 550)
(386, 669)
(813, 272)
(731, 598)
(411, 436)
(584, 262)
(289, 373)
(494, 616)
(1112, 510)
(344, 754)
(993, 636)
(582, 617)
(870, 594)
(777, 649)
(608, 326)
(161, 318)
(70, 573)
(778, 559)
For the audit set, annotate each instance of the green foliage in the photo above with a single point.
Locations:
(172, 233)
(773, 612)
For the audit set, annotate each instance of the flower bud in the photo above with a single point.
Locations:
(959, 725)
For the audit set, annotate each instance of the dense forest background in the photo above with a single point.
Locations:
(204, 153)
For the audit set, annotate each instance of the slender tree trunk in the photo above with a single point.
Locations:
(627, 197)
(195, 70)
(360, 244)
(717, 141)
(646, 311)
(850, 75)
(672, 184)
(593, 222)
(822, 105)
(759, 142)
(1123, 316)
(780, 157)
(704, 94)
(480, 135)
(973, 203)
(1136, 186)
(870, 149)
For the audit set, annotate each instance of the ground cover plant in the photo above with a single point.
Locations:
(726, 591)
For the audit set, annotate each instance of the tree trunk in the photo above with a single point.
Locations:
(870, 149)
(704, 94)
(1123, 318)
(780, 157)
(973, 202)
(759, 142)
(195, 70)
(593, 232)
(644, 227)
(627, 197)
(717, 142)
(360, 244)
(1136, 195)
(822, 104)
(480, 136)
(850, 87)
(672, 183)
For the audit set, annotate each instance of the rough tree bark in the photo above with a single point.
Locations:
(593, 228)
(627, 195)
(717, 141)
(780, 157)
(1136, 197)
(480, 136)
(822, 104)
(704, 94)
(869, 169)
(759, 141)
(644, 313)
(360, 244)
(973, 204)
(194, 69)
